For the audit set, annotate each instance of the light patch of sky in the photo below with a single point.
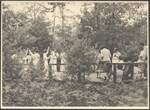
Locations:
(73, 8)
(19, 5)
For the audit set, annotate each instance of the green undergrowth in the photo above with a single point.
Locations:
(71, 93)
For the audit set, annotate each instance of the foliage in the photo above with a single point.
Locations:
(42, 38)
(104, 25)
(11, 69)
(79, 59)
(71, 94)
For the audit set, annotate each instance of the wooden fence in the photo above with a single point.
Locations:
(132, 64)
(114, 65)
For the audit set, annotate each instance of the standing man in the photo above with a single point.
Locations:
(106, 55)
(106, 58)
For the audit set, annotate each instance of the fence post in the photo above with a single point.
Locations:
(132, 70)
(115, 78)
(58, 64)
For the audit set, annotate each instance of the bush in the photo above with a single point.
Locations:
(11, 69)
(80, 59)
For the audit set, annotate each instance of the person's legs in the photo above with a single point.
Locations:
(108, 69)
(98, 69)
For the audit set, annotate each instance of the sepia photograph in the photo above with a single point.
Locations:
(75, 54)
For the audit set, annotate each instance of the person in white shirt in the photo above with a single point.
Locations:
(143, 58)
(53, 60)
(106, 58)
(143, 53)
(106, 54)
(116, 55)
(46, 65)
(28, 58)
(36, 58)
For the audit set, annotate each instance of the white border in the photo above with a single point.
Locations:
(9, 107)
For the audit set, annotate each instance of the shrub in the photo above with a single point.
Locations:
(79, 59)
(11, 69)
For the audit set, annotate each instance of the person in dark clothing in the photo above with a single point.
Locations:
(127, 69)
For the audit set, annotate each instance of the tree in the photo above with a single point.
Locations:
(33, 10)
(79, 60)
(107, 25)
(43, 38)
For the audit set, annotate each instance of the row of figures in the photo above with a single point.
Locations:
(51, 60)
(54, 59)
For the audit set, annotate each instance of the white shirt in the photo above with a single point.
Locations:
(106, 54)
(36, 58)
(27, 59)
(142, 55)
(116, 56)
(53, 58)
(45, 58)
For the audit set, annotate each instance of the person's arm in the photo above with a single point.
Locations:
(30, 53)
(47, 51)
(27, 51)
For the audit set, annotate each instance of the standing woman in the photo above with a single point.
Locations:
(28, 57)
(46, 65)
(53, 60)
(36, 58)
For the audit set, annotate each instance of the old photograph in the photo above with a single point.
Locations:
(75, 54)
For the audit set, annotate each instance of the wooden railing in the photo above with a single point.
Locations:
(132, 64)
(114, 65)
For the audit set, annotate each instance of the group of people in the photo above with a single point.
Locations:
(105, 58)
(50, 59)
